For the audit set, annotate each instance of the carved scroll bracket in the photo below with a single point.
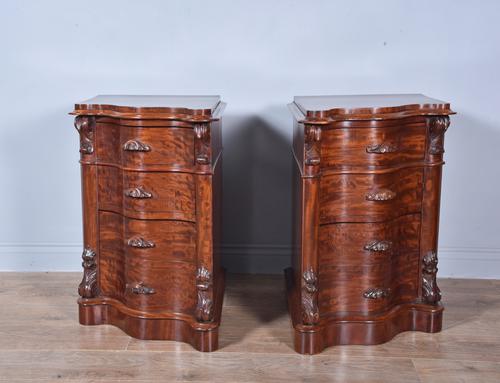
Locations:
(203, 151)
(85, 127)
(437, 127)
(88, 287)
(430, 290)
(204, 308)
(312, 142)
(310, 313)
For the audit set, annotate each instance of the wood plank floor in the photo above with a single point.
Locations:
(41, 340)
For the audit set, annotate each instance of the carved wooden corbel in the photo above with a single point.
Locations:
(312, 140)
(85, 127)
(430, 290)
(204, 307)
(203, 153)
(88, 287)
(310, 313)
(437, 127)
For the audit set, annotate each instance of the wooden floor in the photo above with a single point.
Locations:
(41, 340)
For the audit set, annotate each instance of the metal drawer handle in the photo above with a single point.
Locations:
(376, 293)
(138, 192)
(378, 246)
(140, 288)
(381, 148)
(140, 243)
(381, 195)
(136, 146)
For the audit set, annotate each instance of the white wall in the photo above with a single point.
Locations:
(257, 55)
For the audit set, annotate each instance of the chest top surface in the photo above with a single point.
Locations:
(367, 106)
(193, 108)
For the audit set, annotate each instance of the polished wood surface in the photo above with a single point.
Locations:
(151, 189)
(148, 148)
(165, 195)
(41, 340)
(358, 197)
(176, 108)
(369, 107)
(367, 184)
(349, 147)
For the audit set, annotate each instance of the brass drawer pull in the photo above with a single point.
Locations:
(136, 146)
(378, 246)
(381, 148)
(139, 288)
(138, 192)
(140, 243)
(376, 293)
(381, 195)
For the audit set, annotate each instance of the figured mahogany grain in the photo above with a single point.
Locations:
(367, 179)
(345, 243)
(151, 189)
(167, 148)
(376, 146)
(343, 197)
(172, 194)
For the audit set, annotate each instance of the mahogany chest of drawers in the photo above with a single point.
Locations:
(367, 179)
(151, 188)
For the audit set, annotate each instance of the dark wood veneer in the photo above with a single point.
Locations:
(367, 178)
(151, 189)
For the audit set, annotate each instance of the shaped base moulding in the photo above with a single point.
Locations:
(376, 329)
(182, 328)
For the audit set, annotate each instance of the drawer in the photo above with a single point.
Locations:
(158, 148)
(163, 286)
(369, 147)
(365, 243)
(147, 195)
(136, 256)
(159, 241)
(368, 288)
(345, 288)
(370, 197)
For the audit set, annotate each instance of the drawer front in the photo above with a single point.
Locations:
(343, 288)
(148, 264)
(159, 241)
(366, 243)
(368, 288)
(158, 148)
(162, 286)
(370, 197)
(373, 146)
(147, 195)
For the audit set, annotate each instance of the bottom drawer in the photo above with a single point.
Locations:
(368, 288)
(148, 265)
(169, 287)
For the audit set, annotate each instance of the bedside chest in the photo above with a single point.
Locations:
(151, 187)
(367, 180)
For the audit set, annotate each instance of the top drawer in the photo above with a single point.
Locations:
(152, 148)
(373, 146)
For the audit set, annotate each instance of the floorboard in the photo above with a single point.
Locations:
(41, 340)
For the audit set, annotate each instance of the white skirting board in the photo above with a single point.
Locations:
(454, 262)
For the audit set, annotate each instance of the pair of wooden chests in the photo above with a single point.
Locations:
(367, 180)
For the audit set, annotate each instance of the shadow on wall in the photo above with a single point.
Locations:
(256, 195)
(468, 234)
